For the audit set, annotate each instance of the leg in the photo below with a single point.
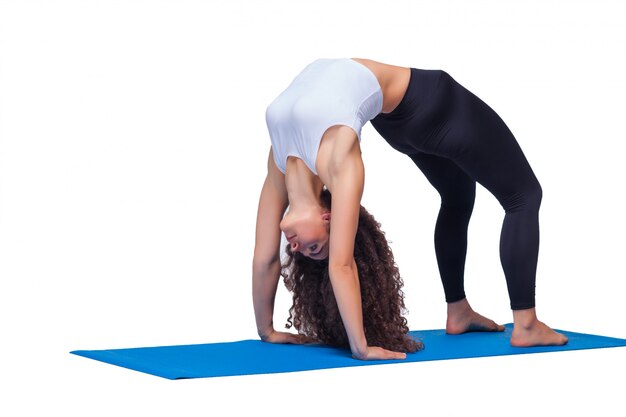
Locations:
(440, 117)
(457, 191)
(480, 143)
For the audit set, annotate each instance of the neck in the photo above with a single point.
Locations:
(303, 187)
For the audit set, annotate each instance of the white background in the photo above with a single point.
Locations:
(132, 151)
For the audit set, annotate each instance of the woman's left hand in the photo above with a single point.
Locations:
(378, 353)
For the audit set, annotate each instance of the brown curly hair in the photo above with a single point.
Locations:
(314, 311)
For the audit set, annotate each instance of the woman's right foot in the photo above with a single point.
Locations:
(529, 331)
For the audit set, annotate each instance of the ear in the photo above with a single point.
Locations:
(326, 216)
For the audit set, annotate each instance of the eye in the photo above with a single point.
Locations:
(313, 248)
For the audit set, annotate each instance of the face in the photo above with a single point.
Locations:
(307, 233)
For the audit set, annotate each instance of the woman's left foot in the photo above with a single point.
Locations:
(462, 319)
(529, 331)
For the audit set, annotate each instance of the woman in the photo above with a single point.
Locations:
(453, 137)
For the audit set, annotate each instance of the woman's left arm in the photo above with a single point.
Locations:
(346, 187)
(345, 180)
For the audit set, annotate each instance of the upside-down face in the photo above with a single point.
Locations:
(308, 232)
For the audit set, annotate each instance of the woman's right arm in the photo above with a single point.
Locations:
(266, 262)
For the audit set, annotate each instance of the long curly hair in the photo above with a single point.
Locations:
(314, 311)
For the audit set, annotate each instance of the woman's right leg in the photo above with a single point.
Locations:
(457, 191)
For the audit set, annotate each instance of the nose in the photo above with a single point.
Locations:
(295, 246)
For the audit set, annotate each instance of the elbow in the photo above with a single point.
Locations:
(261, 261)
(341, 269)
(264, 265)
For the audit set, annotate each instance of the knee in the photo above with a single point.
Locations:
(528, 199)
(461, 203)
(534, 195)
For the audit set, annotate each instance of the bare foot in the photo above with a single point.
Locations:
(529, 331)
(462, 319)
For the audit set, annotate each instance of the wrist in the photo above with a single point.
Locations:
(359, 349)
(359, 353)
(265, 333)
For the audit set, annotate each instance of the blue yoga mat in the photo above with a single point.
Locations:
(256, 357)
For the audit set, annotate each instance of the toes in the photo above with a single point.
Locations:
(473, 323)
(484, 324)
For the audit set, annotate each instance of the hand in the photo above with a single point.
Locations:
(285, 337)
(378, 353)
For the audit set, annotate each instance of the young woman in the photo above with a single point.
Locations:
(453, 137)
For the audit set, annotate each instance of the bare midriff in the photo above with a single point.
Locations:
(393, 81)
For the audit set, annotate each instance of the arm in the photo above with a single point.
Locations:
(344, 174)
(266, 263)
(346, 179)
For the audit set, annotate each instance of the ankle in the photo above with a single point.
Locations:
(459, 306)
(525, 319)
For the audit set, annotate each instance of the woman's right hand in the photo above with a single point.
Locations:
(285, 337)
(378, 353)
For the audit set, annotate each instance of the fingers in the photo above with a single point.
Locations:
(399, 355)
(388, 354)
(286, 337)
(295, 339)
(378, 353)
(302, 339)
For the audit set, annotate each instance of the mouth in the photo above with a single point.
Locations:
(290, 238)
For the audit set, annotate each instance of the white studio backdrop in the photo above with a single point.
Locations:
(133, 148)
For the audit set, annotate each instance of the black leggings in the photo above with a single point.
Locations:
(457, 140)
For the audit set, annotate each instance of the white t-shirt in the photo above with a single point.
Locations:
(327, 92)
